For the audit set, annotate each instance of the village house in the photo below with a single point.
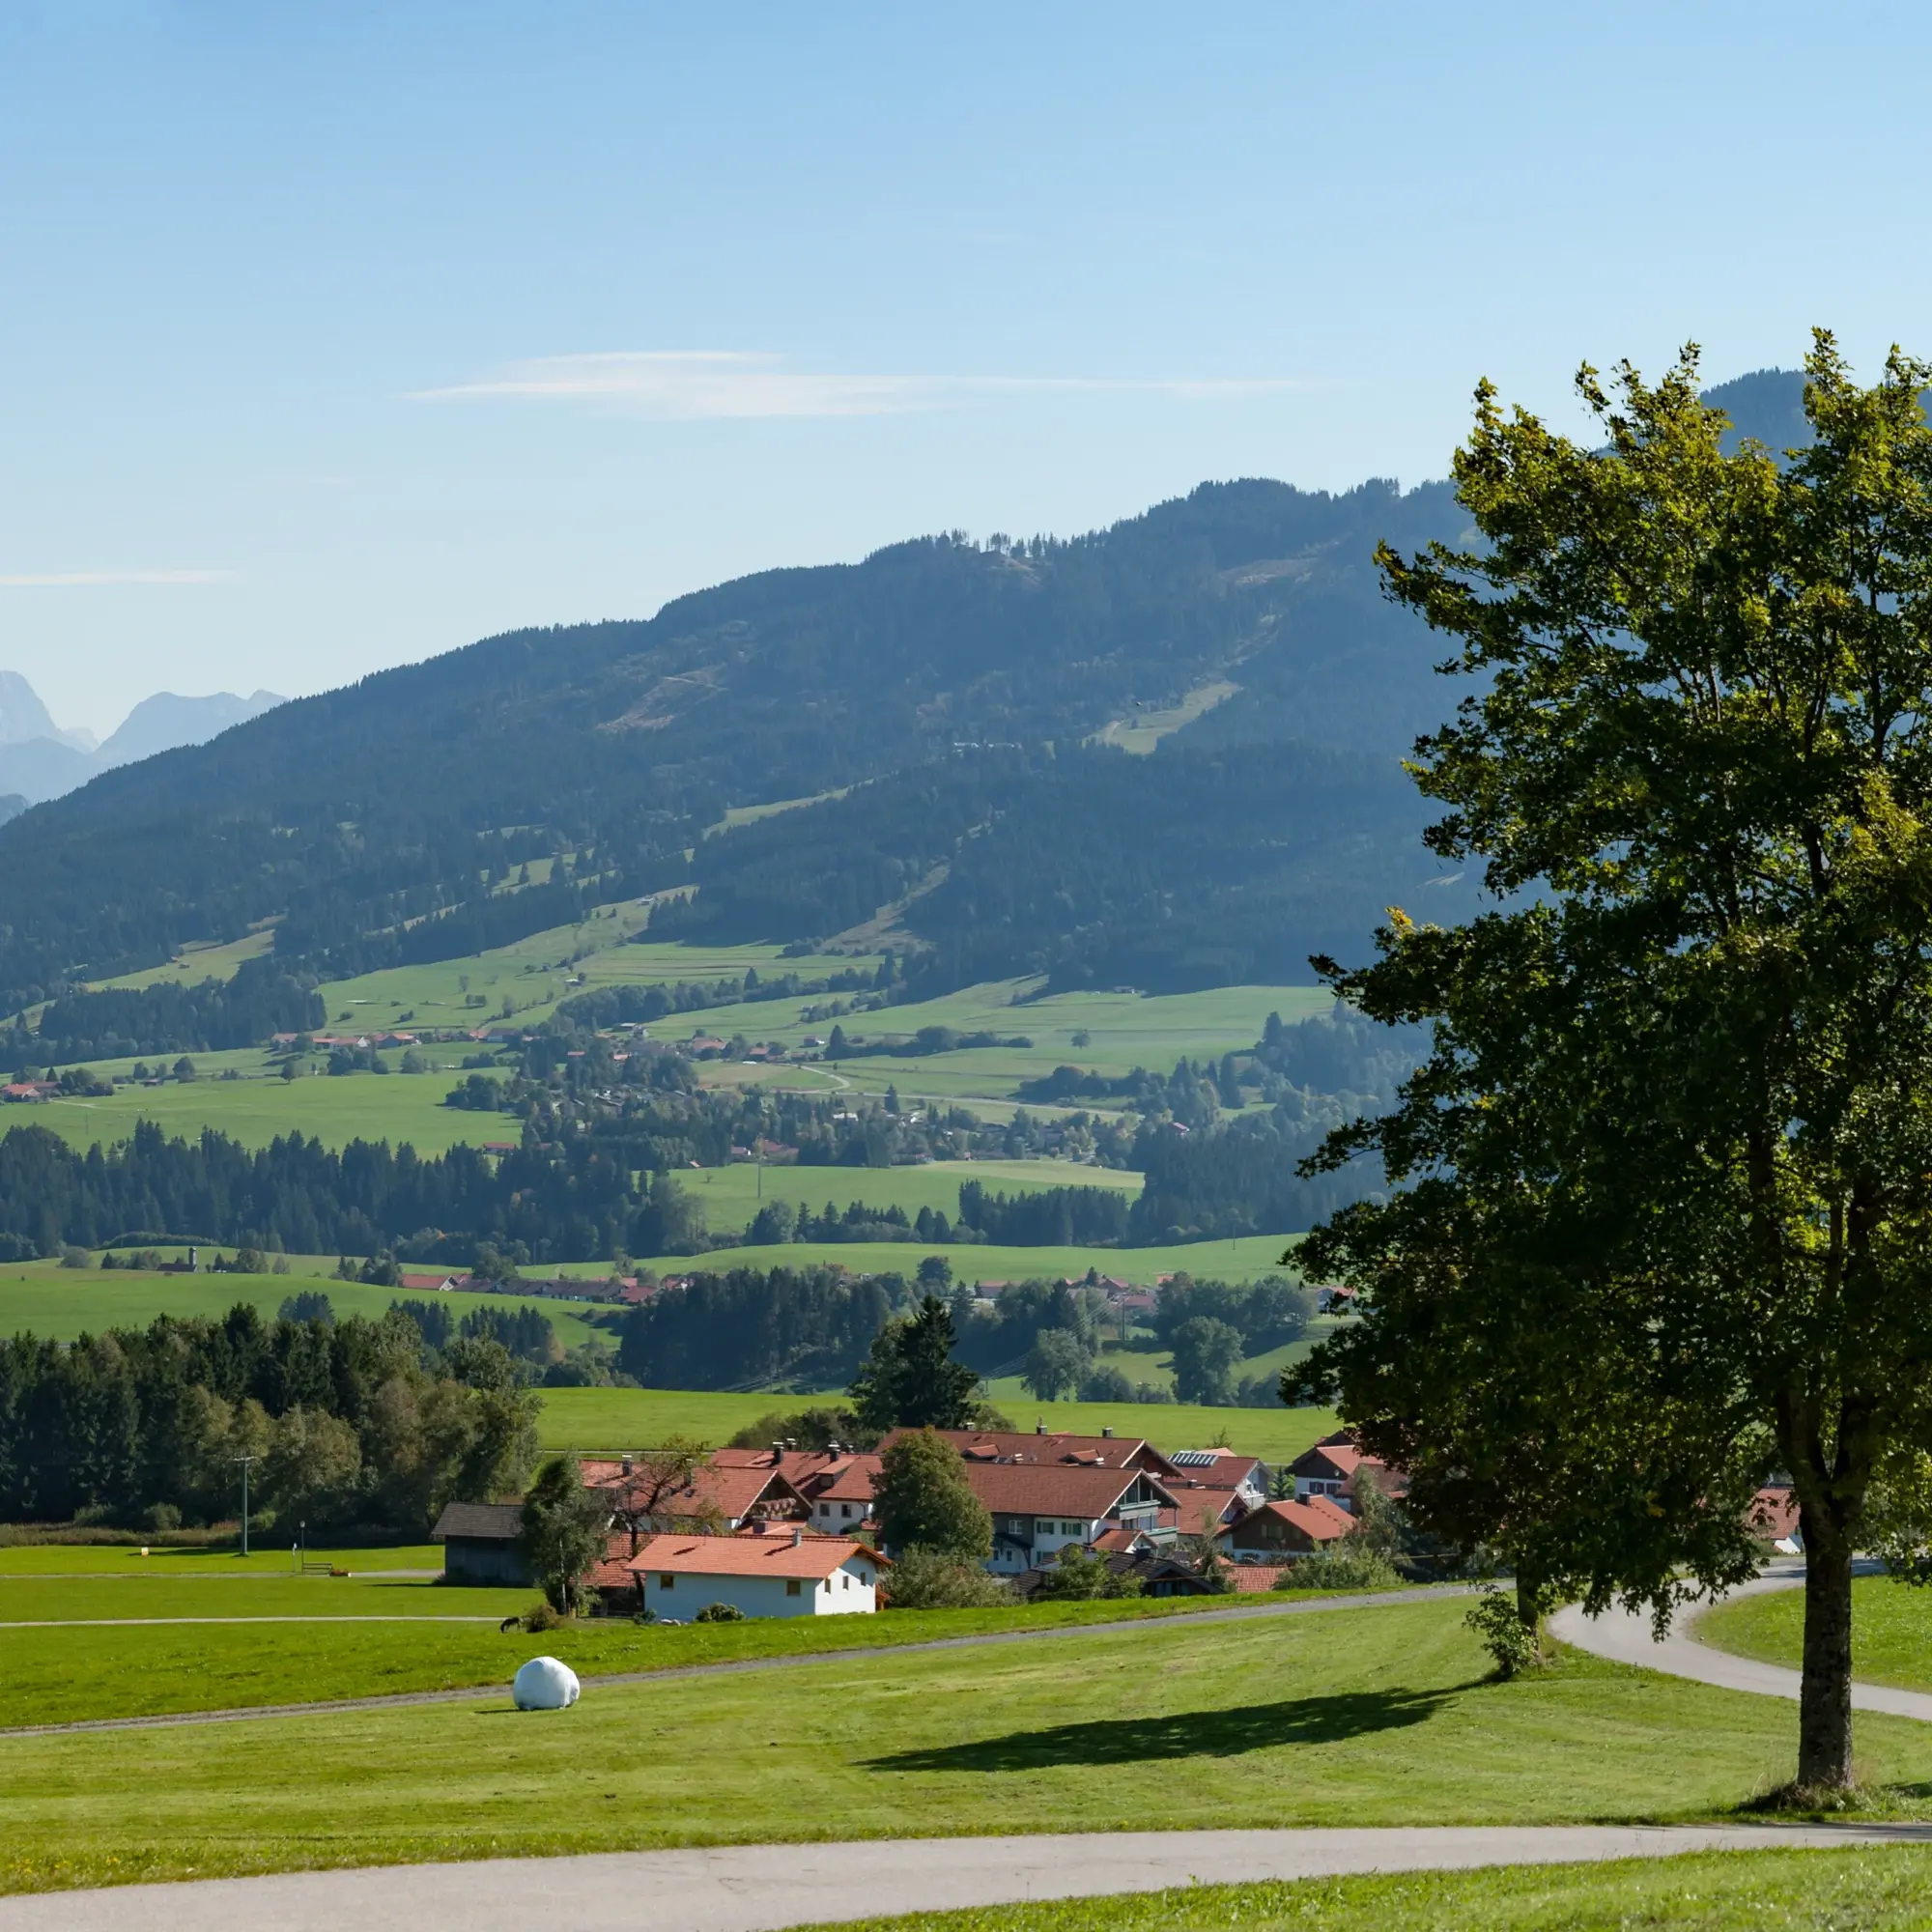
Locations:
(430, 1281)
(1278, 1531)
(1038, 1509)
(836, 1481)
(770, 1575)
(1329, 1469)
(720, 1497)
(1052, 1448)
(1214, 1488)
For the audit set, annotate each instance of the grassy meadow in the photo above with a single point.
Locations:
(1872, 1888)
(732, 1195)
(1892, 1630)
(619, 1419)
(1239, 1259)
(261, 1106)
(93, 1648)
(1383, 1715)
(65, 1302)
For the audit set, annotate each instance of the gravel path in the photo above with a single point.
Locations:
(1301, 1606)
(762, 1887)
(1626, 1638)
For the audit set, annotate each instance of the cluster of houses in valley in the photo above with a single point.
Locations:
(782, 1531)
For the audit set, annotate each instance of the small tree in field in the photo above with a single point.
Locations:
(1664, 1183)
(563, 1533)
(923, 1500)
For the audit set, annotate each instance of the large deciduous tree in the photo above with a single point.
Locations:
(923, 1500)
(1666, 1173)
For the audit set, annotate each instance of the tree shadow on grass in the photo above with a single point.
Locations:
(1294, 1721)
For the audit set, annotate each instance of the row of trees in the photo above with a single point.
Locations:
(351, 1422)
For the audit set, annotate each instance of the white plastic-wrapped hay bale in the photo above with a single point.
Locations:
(544, 1684)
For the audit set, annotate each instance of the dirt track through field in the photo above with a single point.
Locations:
(983, 1640)
(763, 1888)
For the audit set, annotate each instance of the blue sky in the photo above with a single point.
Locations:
(331, 338)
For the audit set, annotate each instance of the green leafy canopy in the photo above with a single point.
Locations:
(1665, 1178)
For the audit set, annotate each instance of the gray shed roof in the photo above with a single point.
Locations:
(482, 1522)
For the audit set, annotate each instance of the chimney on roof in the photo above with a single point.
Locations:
(777, 1452)
(627, 1465)
(1039, 1427)
(797, 1534)
(1106, 1435)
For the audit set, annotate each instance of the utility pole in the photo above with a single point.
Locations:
(245, 1461)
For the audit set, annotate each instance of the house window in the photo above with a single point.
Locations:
(844, 1509)
(791, 1587)
(666, 1583)
(848, 1580)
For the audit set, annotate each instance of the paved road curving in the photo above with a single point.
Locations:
(1626, 1638)
(763, 1888)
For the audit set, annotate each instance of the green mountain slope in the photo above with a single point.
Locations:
(390, 820)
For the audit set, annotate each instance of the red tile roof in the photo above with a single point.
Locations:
(1318, 1518)
(1249, 1577)
(733, 1494)
(1026, 1488)
(751, 1555)
(1000, 1445)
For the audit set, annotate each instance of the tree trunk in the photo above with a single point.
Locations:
(1825, 1700)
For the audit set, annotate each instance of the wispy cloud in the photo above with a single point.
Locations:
(87, 580)
(694, 383)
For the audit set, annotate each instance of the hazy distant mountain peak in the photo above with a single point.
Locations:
(160, 722)
(22, 715)
(40, 761)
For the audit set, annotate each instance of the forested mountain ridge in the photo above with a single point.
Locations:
(950, 690)
(390, 801)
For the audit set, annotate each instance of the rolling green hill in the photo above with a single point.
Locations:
(927, 713)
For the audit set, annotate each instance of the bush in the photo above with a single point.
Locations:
(1343, 1569)
(1106, 1384)
(540, 1617)
(161, 1515)
(720, 1614)
(1513, 1644)
(72, 1257)
(929, 1579)
(1083, 1576)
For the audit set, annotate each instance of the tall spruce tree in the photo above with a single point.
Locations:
(1667, 1174)
(910, 1380)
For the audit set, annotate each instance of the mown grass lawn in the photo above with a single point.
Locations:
(267, 1562)
(1239, 1259)
(618, 1419)
(1891, 1631)
(316, 1642)
(1717, 1892)
(1371, 1717)
(62, 1303)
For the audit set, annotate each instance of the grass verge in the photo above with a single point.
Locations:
(94, 1669)
(1717, 1892)
(1378, 1717)
(1891, 1631)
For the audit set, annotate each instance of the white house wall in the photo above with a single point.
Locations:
(848, 1592)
